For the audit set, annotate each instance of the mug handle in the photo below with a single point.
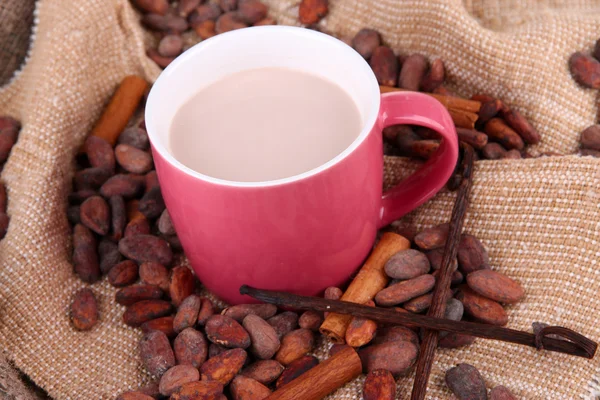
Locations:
(412, 108)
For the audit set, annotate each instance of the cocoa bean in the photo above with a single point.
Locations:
(135, 293)
(7, 122)
(154, 22)
(266, 21)
(95, 214)
(396, 333)
(466, 382)
(472, 256)
(90, 178)
(169, 46)
(155, 274)
(229, 22)
(264, 340)
(513, 154)
(379, 385)
(215, 350)
(228, 5)
(311, 11)
(85, 258)
(134, 396)
(516, 121)
(498, 131)
(4, 221)
(187, 313)
(296, 368)
(455, 340)
(135, 137)
(481, 308)
(333, 293)
(207, 309)
(146, 310)
(419, 304)
(240, 311)
(227, 332)
(501, 393)
(366, 41)
(592, 153)
(385, 66)
(490, 107)
(432, 238)
(495, 286)
(163, 324)
(152, 6)
(100, 153)
(150, 389)
(436, 257)
(8, 138)
(295, 345)
(264, 371)
(151, 181)
(407, 264)
(360, 331)
(137, 227)
(185, 7)
(392, 133)
(190, 347)
(223, 367)
(123, 274)
(206, 29)
(474, 138)
(124, 185)
(397, 357)
(244, 388)
(176, 24)
(146, 248)
(152, 203)
(434, 77)
(423, 148)
(177, 376)
(493, 151)
(161, 61)
(156, 353)
(79, 196)
(205, 12)
(165, 226)
(84, 310)
(174, 242)
(251, 11)
(284, 323)
(182, 284)
(73, 214)
(118, 217)
(3, 198)
(405, 290)
(199, 391)
(585, 70)
(590, 138)
(131, 158)
(412, 72)
(311, 320)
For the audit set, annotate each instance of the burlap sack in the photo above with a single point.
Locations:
(539, 218)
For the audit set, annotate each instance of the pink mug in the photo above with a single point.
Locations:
(303, 233)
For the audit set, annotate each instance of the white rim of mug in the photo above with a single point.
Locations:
(368, 124)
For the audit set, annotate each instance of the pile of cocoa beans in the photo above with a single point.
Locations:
(466, 383)
(9, 133)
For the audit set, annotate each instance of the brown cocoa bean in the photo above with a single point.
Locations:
(202, 390)
(519, 124)
(137, 227)
(419, 304)
(466, 382)
(472, 256)
(227, 332)
(146, 248)
(366, 41)
(266, 21)
(177, 376)
(182, 284)
(284, 323)
(396, 333)
(165, 225)
(498, 131)
(190, 347)
(493, 151)
(125, 185)
(223, 367)
(135, 136)
(405, 290)
(207, 309)
(379, 385)
(131, 158)
(311, 11)
(264, 371)
(495, 286)
(73, 214)
(152, 203)
(174, 242)
(205, 12)
(4, 221)
(215, 350)
(434, 77)
(455, 340)
(396, 357)
(8, 138)
(360, 331)
(100, 153)
(244, 388)
(146, 310)
(423, 148)
(592, 153)
(152, 6)
(7, 122)
(185, 7)
(156, 274)
(229, 22)
(150, 389)
(187, 313)
(154, 22)
(513, 154)
(206, 29)
(132, 294)
(85, 257)
(385, 66)
(90, 178)
(3, 198)
(163, 324)
(481, 308)
(176, 24)
(474, 138)
(134, 396)
(118, 217)
(95, 214)
(436, 257)
(84, 310)
(169, 46)
(151, 181)
(333, 293)
(79, 196)
(412, 72)
(240, 311)
(490, 107)
(123, 274)
(501, 393)
(432, 238)
(394, 132)
(407, 264)
(264, 340)
(311, 320)
(585, 70)
(590, 138)
(156, 353)
(296, 368)
(295, 345)
(161, 61)
(251, 11)
(228, 5)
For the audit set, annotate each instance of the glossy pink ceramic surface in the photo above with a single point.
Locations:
(305, 233)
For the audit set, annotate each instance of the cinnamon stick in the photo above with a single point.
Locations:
(323, 379)
(462, 118)
(120, 109)
(456, 103)
(444, 279)
(369, 281)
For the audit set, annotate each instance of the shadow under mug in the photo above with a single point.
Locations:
(306, 232)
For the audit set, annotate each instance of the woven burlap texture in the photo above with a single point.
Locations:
(539, 218)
